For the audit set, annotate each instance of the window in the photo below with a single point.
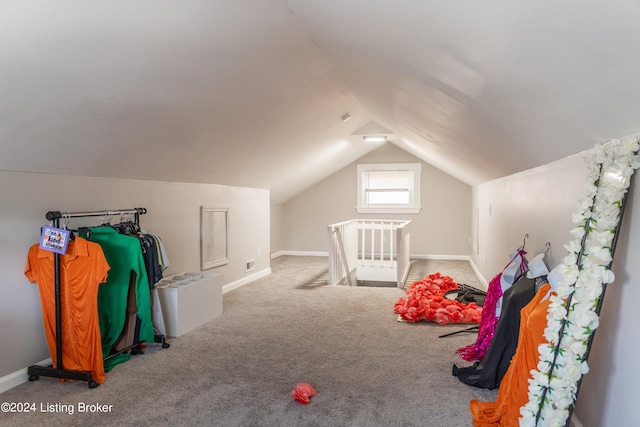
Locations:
(389, 188)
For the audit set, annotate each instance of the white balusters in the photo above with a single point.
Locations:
(375, 250)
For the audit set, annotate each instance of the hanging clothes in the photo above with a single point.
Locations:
(514, 389)
(82, 269)
(156, 262)
(489, 372)
(124, 255)
(489, 319)
(163, 259)
(150, 256)
(130, 333)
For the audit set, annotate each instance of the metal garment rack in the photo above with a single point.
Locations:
(58, 371)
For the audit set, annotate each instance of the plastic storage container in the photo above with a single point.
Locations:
(189, 300)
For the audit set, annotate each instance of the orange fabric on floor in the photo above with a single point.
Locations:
(82, 269)
(514, 388)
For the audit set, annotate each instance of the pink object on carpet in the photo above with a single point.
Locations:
(303, 392)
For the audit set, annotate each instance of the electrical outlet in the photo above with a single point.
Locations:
(250, 265)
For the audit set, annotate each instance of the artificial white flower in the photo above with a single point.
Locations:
(603, 254)
(584, 271)
(601, 237)
(630, 144)
(569, 273)
(586, 319)
(540, 379)
(608, 276)
(573, 371)
(557, 308)
(570, 259)
(573, 247)
(590, 190)
(564, 290)
(577, 232)
(588, 293)
(599, 154)
(552, 331)
(579, 218)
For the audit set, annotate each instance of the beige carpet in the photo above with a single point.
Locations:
(239, 370)
(460, 271)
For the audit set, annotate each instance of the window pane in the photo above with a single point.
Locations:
(388, 188)
(388, 197)
(390, 179)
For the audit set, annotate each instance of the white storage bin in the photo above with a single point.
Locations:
(189, 300)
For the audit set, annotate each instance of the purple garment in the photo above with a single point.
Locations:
(489, 318)
(487, 325)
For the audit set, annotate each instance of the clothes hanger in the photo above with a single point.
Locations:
(547, 246)
(65, 226)
(538, 267)
(128, 226)
(105, 221)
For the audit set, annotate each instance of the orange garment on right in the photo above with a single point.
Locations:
(82, 269)
(514, 388)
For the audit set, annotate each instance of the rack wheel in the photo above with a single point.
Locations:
(93, 384)
(166, 345)
(34, 377)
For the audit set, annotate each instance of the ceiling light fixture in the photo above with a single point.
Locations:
(375, 138)
(345, 117)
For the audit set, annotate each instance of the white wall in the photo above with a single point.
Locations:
(173, 214)
(540, 202)
(441, 228)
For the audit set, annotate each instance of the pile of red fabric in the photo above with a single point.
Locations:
(426, 301)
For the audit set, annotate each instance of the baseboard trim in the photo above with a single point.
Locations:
(412, 256)
(300, 253)
(441, 257)
(19, 377)
(245, 280)
(480, 276)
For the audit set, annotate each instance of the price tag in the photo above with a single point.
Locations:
(54, 239)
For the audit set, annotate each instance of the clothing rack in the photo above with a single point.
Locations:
(58, 371)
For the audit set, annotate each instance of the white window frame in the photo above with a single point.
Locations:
(414, 205)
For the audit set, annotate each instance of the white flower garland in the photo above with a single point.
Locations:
(572, 311)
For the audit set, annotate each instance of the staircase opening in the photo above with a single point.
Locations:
(369, 252)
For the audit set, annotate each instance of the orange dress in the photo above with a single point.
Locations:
(514, 388)
(82, 269)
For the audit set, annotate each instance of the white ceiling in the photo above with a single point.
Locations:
(250, 92)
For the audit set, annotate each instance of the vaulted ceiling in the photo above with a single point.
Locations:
(251, 92)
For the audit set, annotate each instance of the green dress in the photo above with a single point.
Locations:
(124, 255)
